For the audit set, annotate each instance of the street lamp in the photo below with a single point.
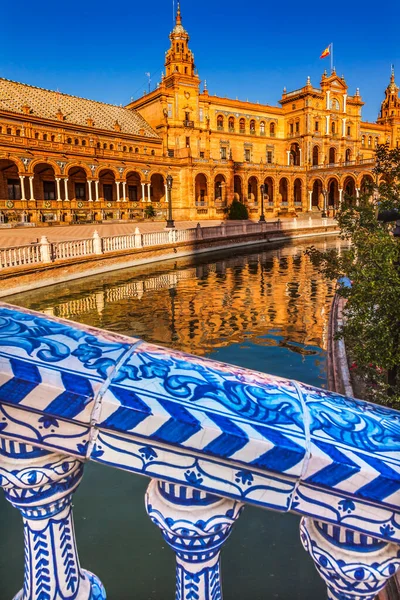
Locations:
(170, 221)
(262, 217)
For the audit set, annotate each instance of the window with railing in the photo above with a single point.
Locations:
(262, 128)
(247, 155)
(231, 124)
(220, 123)
(242, 126)
(252, 127)
(49, 190)
(223, 152)
(272, 129)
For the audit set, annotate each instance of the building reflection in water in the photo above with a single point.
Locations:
(272, 296)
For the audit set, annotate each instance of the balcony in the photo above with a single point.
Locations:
(189, 124)
(220, 128)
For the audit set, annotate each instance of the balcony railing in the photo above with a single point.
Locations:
(211, 438)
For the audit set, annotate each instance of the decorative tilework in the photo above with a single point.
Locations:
(196, 422)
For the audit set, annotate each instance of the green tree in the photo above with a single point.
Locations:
(149, 211)
(238, 211)
(372, 263)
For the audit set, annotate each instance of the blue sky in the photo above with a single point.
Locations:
(249, 50)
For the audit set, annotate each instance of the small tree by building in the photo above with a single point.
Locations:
(238, 211)
(372, 263)
(149, 211)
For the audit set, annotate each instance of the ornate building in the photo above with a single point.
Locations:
(67, 159)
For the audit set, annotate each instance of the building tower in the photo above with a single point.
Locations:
(179, 59)
(390, 107)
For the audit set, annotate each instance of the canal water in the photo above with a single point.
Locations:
(264, 309)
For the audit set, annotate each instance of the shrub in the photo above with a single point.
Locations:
(238, 211)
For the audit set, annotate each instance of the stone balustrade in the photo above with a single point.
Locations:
(46, 252)
(211, 437)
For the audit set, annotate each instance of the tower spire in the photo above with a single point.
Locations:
(178, 20)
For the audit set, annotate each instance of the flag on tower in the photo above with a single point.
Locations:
(326, 52)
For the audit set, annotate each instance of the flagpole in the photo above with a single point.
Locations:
(331, 58)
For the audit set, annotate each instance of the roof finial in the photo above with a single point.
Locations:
(392, 75)
(178, 14)
(205, 85)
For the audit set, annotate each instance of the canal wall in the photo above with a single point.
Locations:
(49, 264)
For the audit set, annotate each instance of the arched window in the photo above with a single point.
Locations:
(242, 125)
(369, 141)
(220, 122)
(104, 146)
(315, 156)
(316, 126)
(45, 137)
(83, 142)
(262, 128)
(53, 138)
(297, 126)
(130, 149)
(76, 142)
(291, 128)
(18, 132)
(349, 130)
(98, 145)
(111, 146)
(153, 152)
(272, 129)
(136, 150)
(363, 140)
(334, 104)
(332, 156)
(9, 130)
(69, 141)
(252, 126)
(231, 124)
(348, 155)
(333, 127)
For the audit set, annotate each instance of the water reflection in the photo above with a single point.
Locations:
(267, 297)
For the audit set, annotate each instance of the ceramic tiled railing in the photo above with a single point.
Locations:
(47, 252)
(211, 437)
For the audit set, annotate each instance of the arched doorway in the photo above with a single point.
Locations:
(157, 188)
(252, 190)
(283, 191)
(295, 154)
(220, 189)
(107, 186)
(315, 156)
(10, 183)
(316, 195)
(44, 189)
(297, 192)
(201, 190)
(78, 194)
(237, 188)
(134, 187)
(349, 187)
(269, 191)
(367, 185)
(332, 156)
(333, 193)
(348, 155)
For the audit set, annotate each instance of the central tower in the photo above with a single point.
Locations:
(179, 59)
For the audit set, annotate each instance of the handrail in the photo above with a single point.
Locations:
(47, 252)
(201, 429)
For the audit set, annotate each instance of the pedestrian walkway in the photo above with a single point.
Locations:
(21, 236)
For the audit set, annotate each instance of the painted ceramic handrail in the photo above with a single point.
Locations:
(205, 429)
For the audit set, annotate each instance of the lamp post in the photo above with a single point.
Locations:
(262, 217)
(324, 215)
(170, 221)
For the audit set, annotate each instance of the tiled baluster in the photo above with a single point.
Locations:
(354, 566)
(195, 525)
(41, 484)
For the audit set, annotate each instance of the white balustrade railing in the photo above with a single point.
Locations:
(19, 256)
(47, 252)
(210, 437)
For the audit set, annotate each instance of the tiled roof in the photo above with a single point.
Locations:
(78, 111)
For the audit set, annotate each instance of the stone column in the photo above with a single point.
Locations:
(96, 187)
(327, 99)
(194, 524)
(90, 190)
(143, 192)
(148, 192)
(327, 124)
(40, 484)
(344, 127)
(45, 250)
(58, 189)
(340, 196)
(354, 566)
(310, 200)
(22, 180)
(344, 102)
(66, 189)
(31, 195)
(288, 157)
(300, 156)
(118, 196)
(124, 198)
